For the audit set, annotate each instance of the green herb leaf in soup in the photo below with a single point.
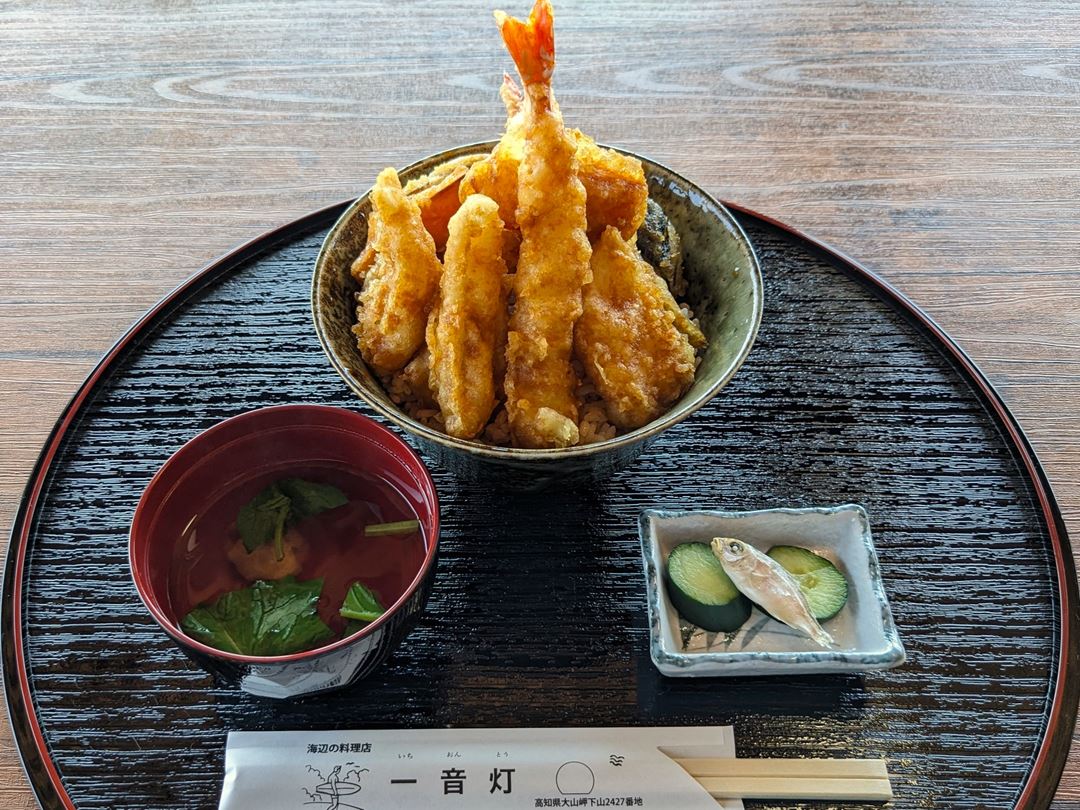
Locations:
(263, 518)
(361, 604)
(309, 498)
(269, 618)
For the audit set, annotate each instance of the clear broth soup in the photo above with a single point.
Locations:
(337, 550)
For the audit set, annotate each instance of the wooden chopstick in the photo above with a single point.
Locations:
(829, 779)
(781, 768)
(768, 787)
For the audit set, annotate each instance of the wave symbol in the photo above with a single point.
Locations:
(616, 760)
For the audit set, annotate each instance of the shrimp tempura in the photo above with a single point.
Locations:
(553, 263)
(401, 284)
(497, 174)
(630, 338)
(467, 329)
(615, 188)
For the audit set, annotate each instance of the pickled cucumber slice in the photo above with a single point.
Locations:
(702, 592)
(825, 587)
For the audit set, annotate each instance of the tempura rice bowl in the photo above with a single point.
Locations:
(724, 295)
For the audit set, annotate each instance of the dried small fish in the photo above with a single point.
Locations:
(767, 584)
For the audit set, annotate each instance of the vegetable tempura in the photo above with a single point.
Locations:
(467, 329)
(479, 310)
(436, 195)
(401, 284)
(628, 337)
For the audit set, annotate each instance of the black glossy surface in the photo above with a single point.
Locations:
(537, 616)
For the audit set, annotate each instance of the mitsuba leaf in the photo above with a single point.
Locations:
(263, 518)
(309, 498)
(361, 604)
(269, 618)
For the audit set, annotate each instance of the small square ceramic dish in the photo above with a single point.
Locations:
(864, 632)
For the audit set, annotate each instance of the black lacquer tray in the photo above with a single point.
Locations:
(538, 612)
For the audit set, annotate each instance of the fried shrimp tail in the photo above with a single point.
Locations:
(512, 97)
(531, 44)
(466, 332)
(628, 338)
(553, 262)
(401, 283)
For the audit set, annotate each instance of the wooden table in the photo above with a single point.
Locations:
(937, 142)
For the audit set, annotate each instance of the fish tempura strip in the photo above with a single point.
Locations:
(615, 188)
(553, 263)
(401, 284)
(467, 330)
(627, 337)
(436, 194)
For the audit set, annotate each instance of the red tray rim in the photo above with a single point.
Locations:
(41, 771)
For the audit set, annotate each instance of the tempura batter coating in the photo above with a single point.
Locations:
(627, 337)
(496, 175)
(436, 194)
(401, 284)
(466, 333)
(417, 377)
(553, 264)
(615, 187)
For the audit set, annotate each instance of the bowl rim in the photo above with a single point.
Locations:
(673, 416)
(397, 445)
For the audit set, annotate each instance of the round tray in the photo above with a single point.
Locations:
(537, 616)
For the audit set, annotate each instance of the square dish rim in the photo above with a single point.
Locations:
(683, 664)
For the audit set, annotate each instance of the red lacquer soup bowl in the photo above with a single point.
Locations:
(186, 525)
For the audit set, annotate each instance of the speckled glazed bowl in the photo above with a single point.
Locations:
(725, 292)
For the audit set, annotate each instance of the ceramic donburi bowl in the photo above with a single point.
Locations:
(725, 292)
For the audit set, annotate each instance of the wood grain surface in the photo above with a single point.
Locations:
(937, 142)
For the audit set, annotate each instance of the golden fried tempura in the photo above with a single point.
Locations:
(627, 338)
(466, 333)
(366, 260)
(436, 194)
(496, 175)
(553, 263)
(615, 188)
(417, 378)
(401, 284)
